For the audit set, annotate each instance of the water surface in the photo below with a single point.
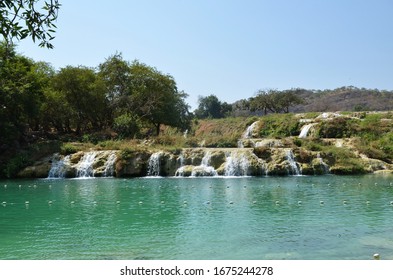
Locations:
(297, 217)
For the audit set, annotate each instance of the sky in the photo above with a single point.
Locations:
(232, 48)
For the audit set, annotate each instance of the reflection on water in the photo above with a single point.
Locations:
(298, 217)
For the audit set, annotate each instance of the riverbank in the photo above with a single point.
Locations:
(274, 145)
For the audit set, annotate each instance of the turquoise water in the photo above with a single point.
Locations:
(298, 217)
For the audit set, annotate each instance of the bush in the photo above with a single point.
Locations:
(297, 142)
(381, 148)
(127, 125)
(16, 163)
(68, 148)
(338, 128)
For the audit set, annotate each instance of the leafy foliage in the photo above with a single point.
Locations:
(155, 98)
(338, 128)
(211, 107)
(127, 125)
(21, 95)
(84, 97)
(22, 18)
(275, 101)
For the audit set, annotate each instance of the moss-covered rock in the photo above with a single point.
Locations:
(35, 171)
(348, 169)
(307, 169)
(319, 166)
(132, 164)
(263, 152)
(217, 158)
(184, 171)
(168, 164)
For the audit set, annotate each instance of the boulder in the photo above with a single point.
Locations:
(132, 165)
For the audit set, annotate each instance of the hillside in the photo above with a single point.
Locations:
(345, 99)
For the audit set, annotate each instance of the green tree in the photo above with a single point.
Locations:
(155, 98)
(211, 107)
(56, 112)
(116, 74)
(127, 125)
(262, 101)
(275, 101)
(22, 18)
(84, 94)
(21, 94)
(288, 98)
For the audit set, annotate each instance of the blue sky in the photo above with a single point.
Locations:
(232, 48)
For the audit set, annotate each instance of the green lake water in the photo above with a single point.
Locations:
(296, 217)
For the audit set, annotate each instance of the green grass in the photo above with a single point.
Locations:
(279, 126)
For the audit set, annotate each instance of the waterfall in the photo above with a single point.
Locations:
(305, 130)
(99, 163)
(180, 160)
(294, 169)
(204, 169)
(206, 159)
(236, 164)
(325, 167)
(59, 166)
(109, 166)
(85, 166)
(247, 135)
(153, 168)
(180, 170)
(250, 130)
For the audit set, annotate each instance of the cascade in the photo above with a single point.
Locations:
(206, 159)
(180, 170)
(250, 130)
(248, 134)
(236, 164)
(294, 169)
(85, 165)
(305, 130)
(325, 167)
(59, 166)
(204, 169)
(109, 166)
(101, 163)
(181, 160)
(153, 168)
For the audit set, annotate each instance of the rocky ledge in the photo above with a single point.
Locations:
(273, 158)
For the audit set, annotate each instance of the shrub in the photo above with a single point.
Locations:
(127, 125)
(15, 164)
(68, 148)
(297, 142)
(338, 128)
